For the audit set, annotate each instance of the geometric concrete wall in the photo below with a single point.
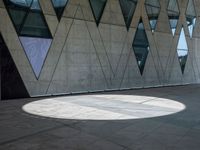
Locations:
(84, 57)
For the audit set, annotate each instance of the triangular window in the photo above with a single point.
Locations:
(17, 10)
(36, 50)
(97, 9)
(173, 14)
(182, 50)
(59, 6)
(28, 18)
(128, 8)
(153, 10)
(32, 30)
(191, 17)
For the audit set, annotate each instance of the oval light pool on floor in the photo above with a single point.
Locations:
(103, 107)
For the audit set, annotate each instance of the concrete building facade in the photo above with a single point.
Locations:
(88, 52)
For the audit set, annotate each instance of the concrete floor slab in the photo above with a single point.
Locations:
(180, 130)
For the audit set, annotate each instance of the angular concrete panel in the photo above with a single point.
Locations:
(112, 13)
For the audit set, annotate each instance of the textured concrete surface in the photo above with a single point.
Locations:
(179, 131)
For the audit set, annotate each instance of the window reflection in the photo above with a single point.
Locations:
(153, 10)
(59, 6)
(128, 9)
(182, 50)
(26, 3)
(141, 46)
(190, 17)
(173, 14)
(35, 5)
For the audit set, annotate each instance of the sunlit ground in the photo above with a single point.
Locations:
(103, 107)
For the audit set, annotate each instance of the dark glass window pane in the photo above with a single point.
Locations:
(153, 10)
(191, 17)
(141, 46)
(17, 10)
(128, 9)
(173, 14)
(17, 17)
(97, 8)
(59, 6)
(35, 26)
(28, 18)
(182, 50)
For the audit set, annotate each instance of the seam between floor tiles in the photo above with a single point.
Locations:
(29, 135)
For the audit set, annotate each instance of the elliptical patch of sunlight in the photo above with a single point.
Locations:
(103, 107)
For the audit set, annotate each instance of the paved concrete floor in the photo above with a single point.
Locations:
(179, 130)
